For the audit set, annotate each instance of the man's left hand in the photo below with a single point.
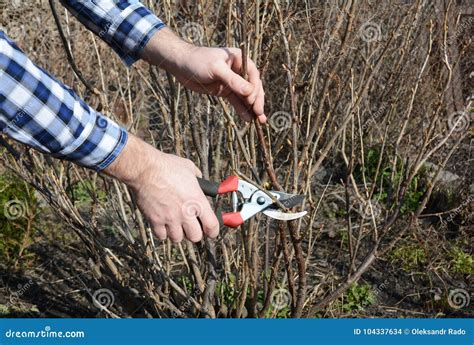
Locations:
(214, 71)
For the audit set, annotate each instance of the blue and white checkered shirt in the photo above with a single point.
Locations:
(38, 110)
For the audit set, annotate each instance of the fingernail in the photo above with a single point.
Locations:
(246, 89)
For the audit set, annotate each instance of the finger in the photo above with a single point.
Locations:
(214, 88)
(242, 110)
(195, 169)
(253, 74)
(209, 222)
(160, 232)
(232, 80)
(175, 232)
(258, 106)
(192, 230)
(254, 79)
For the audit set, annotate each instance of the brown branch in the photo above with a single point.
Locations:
(69, 56)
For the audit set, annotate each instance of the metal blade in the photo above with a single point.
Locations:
(283, 215)
(289, 200)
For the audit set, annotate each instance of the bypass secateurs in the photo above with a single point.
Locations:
(248, 200)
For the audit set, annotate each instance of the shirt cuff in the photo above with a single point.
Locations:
(121, 142)
(102, 144)
(131, 30)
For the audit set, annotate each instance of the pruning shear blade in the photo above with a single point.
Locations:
(286, 216)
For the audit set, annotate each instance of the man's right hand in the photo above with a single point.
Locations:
(166, 191)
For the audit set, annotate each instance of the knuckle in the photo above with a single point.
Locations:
(234, 82)
(237, 51)
(185, 161)
(154, 220)
(191, 164)
(170, 216)
(188, 164)
(215, 66)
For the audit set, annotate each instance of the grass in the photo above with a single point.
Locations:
(357, 297)
(18, 207)
(227, 291)
(7, 310)
(411, 256)
(84, 192)
(388, 179)
(461, 262)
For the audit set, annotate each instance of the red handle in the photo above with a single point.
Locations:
(232, 219)
(230, 184)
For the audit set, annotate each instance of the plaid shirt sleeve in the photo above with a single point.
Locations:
(126, 26)
(39, 111)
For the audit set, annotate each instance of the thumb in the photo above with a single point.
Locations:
(232, 80)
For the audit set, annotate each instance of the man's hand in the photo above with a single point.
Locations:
(214, 71)
(166, 191)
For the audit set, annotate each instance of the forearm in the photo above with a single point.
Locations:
(166, 50)
(133, 162)
(38, 110)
